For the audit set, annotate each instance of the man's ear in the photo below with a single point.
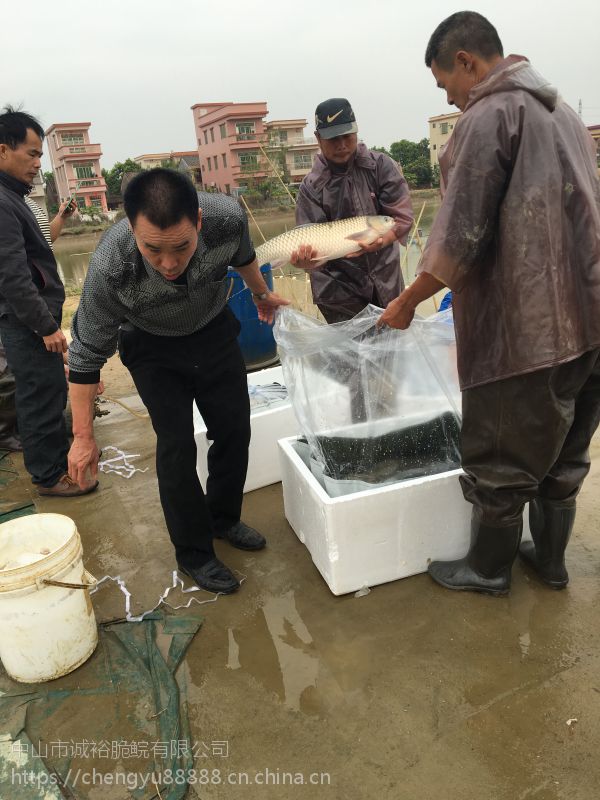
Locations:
(199, 225)
(464, 60)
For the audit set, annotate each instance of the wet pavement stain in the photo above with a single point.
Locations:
(233, 660)
(299, 667)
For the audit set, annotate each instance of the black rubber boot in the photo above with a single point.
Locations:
(551, 524)
(487, 566)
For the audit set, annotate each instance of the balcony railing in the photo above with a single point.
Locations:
(76, 184)
(275, 141)
(248, 171)
(78, 150)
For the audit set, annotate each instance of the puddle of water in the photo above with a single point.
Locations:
(233, 661)
(299, 668)
(524, 643)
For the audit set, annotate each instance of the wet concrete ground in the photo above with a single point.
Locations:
(409, 692)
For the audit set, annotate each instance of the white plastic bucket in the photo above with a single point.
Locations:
(45, 630)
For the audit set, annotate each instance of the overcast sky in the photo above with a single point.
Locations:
(134, 68)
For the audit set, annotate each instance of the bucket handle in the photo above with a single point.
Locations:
(49, 582)
(62, 584)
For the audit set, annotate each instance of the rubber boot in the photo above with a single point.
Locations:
(551, 524)
(487, 566)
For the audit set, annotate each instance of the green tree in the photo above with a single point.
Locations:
(52, 199)
(266, 188)
(274, 161)
(406, 152)
(170, 163)
(418, 173)
(414, 159)
(114, 176)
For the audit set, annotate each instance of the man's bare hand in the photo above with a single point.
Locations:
(67, 208)
(266, 308)
(56, 342)
(304, 256)
(399, 313)
(83, 457)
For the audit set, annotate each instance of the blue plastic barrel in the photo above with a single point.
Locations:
(256, 338)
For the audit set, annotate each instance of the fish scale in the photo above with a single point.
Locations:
(331, 240)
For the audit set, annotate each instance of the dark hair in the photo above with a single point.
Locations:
(465, 30)
(14, 126)
(163, 196)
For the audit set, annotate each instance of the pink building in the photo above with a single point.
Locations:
(76, 164)
(235, 145)
(298, 153)
(228, 135)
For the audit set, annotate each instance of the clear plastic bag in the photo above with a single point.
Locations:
(375, 405)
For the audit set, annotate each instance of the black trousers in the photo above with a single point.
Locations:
(529, 436)
(170, 373)
(8, 408)
(41, 398)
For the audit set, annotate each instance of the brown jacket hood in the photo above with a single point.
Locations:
(515, 73)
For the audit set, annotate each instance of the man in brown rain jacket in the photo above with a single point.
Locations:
(349, 180)
(517, 239)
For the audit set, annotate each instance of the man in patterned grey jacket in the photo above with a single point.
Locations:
(156, 287)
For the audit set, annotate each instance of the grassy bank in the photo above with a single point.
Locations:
(82, 230)
(72, 297)
(69, 309)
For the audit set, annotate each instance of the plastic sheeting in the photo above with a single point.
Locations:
(266, 396)
(376, 406)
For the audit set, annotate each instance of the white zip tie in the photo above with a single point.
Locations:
(163, 598)
(120, 464)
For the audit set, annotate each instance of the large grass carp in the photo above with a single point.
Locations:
(330, 239)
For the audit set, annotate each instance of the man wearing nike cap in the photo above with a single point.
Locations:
(349, 180)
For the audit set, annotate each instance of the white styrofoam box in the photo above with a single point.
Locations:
(377, 535)
(268, 424)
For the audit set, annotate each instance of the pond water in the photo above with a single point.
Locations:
(73, 256)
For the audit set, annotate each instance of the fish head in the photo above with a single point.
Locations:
(380, 223)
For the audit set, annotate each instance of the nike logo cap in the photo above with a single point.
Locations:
(334, 117)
